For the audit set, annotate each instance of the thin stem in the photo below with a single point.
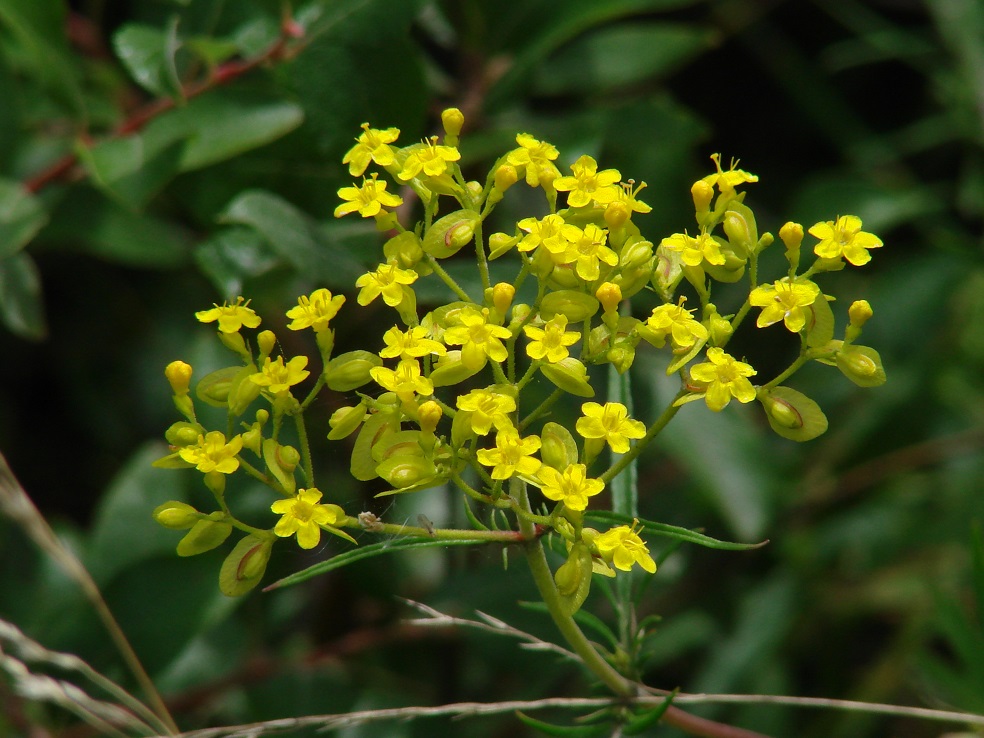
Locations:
(541, 408)
(483, 265)
(447, 278)
(654, 430)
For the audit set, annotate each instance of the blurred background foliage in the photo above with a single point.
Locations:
(161, 155)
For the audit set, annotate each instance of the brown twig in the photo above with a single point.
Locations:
(66, 167)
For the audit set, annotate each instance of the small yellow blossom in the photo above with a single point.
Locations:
(231, 317)
(178, 375)
(388, 281)
(315, 311)
(724, 377)
(694, 251)
(368, 200)
(405, 381)
(588, 184)
(371, 145)
(276, 377)
(536, 158)
(844, 237)
(213, 454)
(479, 339)
(586, 248)
(784, 300)
(678, 323)
(487, 408)
(626, 194)
(610, 422)
(303, 515)
(727, 180)
(410, 344)
(547, 233)
(623, 547)
(572, 486)
(511, 455)
(431, 159)
(551, 341)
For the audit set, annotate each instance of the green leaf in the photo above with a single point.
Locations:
(132, 170)
(649, 718)
(571, 731)
(220, 126)
(21, 217)
(234, 255)
(296, 238)
(21, 308)
(366, 552)
(148, 55)
(619, 56)
(671, 531)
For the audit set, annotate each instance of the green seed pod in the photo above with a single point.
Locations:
(183, 434)
(243, 392)
(570, 375)
(862, 365)
(405, 250)
(401, 472)
(573, 578)
(350, 370)
(558, 449)
(638, 253)
(792, 414)
(451, 370)
(820, 326)
(448, 234)
(206, 534)
(281, 462)
(576, 306)
(214, 388)
(244, 567)
(176, 515)
(667, 273)
(345, 420)
(739, 225)
(399, 443)
(377, 426)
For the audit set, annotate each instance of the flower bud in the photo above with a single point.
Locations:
(859, 312)
(502, 297)
(617, 214)
(452, 119)
(702, 194)
(214, 388)
(558, 448)
(266, 340)
(429, 415)
(862, 365)
(609, 295)
(636, 255)
(739, 225)
(792, 235)
(505, 177)
(176, 515)
(178, 375)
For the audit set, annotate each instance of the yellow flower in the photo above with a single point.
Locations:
(586, 248)
(231, 317)
(511, 455)
(276, 377)
(623, 547)
(784, 300)
(315, 311)
(430, 159)
(547, 232)
(536, 158)
(303, 515)
(844, 237)
(551, 341)
(486, 408)
(411, 344)
(369, 200)
(726, 181)
(479, 339)
(178, 375)
(371, 145)
(388, 281)
(611, 423)
(406, 380)
(572, 487)
(213, 454)
(588, 183)
(694, 251)
(724, 377)
(678, 323)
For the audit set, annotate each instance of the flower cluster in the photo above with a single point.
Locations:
(443, 397)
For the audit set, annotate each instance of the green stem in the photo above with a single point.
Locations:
(483, 265)
(631, 455)
(441, 534)
(447, 278)
(541, 408)
(307, 466)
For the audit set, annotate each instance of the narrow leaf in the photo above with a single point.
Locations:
(672, 531)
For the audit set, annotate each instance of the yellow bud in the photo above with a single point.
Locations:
(178, 375)
(859, 312)
(609, 295)
(266, 340)
(183, 434)
(616, 214)
(502, 297)
(429, 415)
(702, 194)
(505, 177)
(791, 235)
(452, 119)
